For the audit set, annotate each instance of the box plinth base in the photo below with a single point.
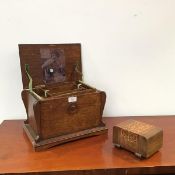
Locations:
(48, 143)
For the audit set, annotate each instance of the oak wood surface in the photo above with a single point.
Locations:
(30, 54)
(94, 155)
(53, 117)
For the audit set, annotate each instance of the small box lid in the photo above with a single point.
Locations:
(50, 63)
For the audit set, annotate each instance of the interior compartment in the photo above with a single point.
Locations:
(62, 90)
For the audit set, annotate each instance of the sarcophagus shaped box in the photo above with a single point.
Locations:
(59, 106)
(140, 138)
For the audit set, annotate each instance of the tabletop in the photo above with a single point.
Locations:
(94, 155)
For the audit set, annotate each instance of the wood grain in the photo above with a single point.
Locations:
(52, 118)
(95, 155)
(138, 137)
(30, 54)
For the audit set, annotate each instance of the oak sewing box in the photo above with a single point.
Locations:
(60, 107)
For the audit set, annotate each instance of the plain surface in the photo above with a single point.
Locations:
(17, 156)
(128, 49)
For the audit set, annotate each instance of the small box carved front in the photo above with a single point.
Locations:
(141, 138)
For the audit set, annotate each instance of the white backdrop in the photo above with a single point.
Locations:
(128, 49)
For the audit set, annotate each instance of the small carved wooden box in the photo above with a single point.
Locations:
(60, 107)
(138, 137)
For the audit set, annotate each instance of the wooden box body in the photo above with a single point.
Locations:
(138, 137)
(60, 107)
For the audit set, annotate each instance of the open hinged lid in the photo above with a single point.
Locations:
(50, 63)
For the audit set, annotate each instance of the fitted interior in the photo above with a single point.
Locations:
(63, 89)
